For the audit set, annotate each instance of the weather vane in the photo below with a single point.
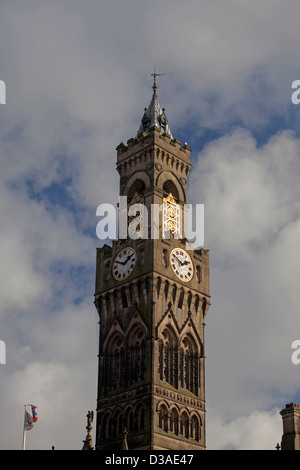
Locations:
(154, 86)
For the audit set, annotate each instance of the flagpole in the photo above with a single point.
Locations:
(24, 430)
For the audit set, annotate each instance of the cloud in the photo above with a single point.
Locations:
(250, 192)
(252, 217)
(258, 430)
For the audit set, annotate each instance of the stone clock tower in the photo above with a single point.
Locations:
(152, 296)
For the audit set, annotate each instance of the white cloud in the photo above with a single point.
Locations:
(258, 430)
(252, 211)
(250, 192)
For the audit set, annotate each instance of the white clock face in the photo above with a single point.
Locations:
(181, 264)
(124, 263)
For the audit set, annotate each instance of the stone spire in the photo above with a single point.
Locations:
(88, 443)
(155, 115)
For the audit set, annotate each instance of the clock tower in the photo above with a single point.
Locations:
(152, 296)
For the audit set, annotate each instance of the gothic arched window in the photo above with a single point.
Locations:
(174, 421)
(113, 362)
(168, 357)
(136, 354)
(195, 428)
(189, 364)
(163, 418)
(128, 419)
(169, 187)
(140, 416)
(117, 423)
(184, 429)
(137, 187)
(107, 428)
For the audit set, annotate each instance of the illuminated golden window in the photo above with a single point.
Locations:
(171, 217)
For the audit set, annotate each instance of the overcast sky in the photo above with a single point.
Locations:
(78, 76)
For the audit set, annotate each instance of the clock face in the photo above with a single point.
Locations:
(181, 264)
(124, 263)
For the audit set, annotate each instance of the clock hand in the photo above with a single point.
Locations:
(178, 260)
(128, 258)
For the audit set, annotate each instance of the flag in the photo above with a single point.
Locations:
(34, 413)
(30, 420)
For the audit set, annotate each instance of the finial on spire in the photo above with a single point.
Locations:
(154, 74)
(154, 115)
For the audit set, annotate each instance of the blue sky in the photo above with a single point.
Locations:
(78, 77)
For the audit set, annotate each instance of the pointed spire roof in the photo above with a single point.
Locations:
(155, 115)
